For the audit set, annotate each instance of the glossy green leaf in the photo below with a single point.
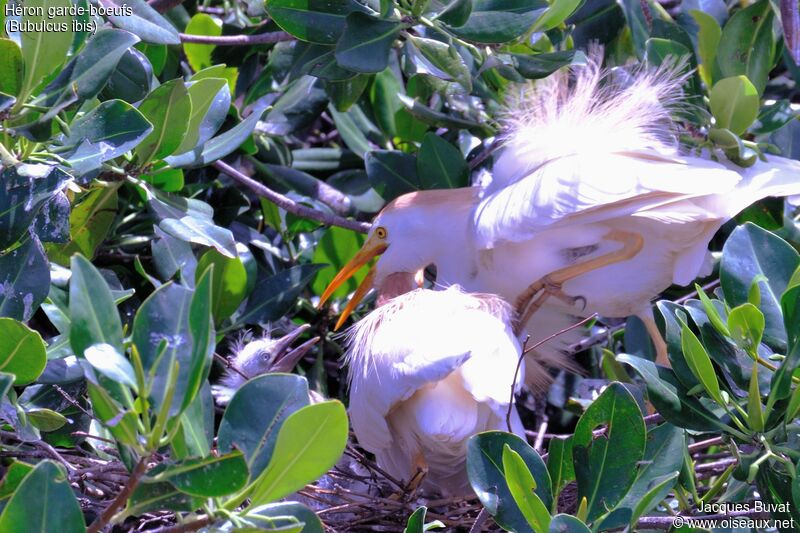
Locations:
(199, 55)
(344, 94)
(114, 126)
(535, 67)
(11, 67)
(559, 464)
(498, 22)
(196, 434)
(316, 21)
(276, 294)
(46, 419)
(335, 248)
(229, 282)
(605, 466)
(734, 103)
(365, 43)
(167, 179)
(309, 442)
(43, 52)
(94, 315)
(211, 99)
(488, 478)
(208, 477)
(131, 80)
(700, 363)
(440, 165)
(708, 36)
(749, 252)
(392, 173)
(746, 325)
(25, 277)
(445, 59)
(147, 23)
(256, 413)
(746, 44)
(564, 523)
(522, 487)
(42, 500)
(557, 13)
(284, 513)
(148, 497)
(112, 364)
(13, 477)
(755, 414)
(201, 230)
(456, 12)
(90, 221)
(22, 351)
(167, 109)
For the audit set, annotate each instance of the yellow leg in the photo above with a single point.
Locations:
(661, 347)
(420, 471)
(550, 285)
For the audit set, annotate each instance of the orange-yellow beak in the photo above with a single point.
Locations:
(372, 248)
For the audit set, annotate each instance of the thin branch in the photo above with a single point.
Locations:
(477, 526)
(121, 499)
(162, 6)
(525, 350)
(790, 19)
(238, 40)
(288, 204)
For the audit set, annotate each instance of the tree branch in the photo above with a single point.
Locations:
(238, 40)
(122, 497)
(162, 6)
(288, 204)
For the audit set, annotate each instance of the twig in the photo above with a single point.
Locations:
(477, 526)
(194, 525)
(118, 502)
(525, 350)
(238, 40)
(537, 444)
(47, 450)
(230, 366)
(791, 28)
(288, 204)
(485, 153)
(72, 401)
(162, 6)
(703, 444)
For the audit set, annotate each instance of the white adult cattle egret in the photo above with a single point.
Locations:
(259, 356)
(429, 369)
(590, 198)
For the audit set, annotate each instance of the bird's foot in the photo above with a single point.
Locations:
(537, 293)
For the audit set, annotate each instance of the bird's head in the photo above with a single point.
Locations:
(405, 237)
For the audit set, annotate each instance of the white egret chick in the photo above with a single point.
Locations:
(427, 370)
(592, 208)
(260, 356)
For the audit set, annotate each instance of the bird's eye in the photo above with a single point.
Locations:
(381, 232)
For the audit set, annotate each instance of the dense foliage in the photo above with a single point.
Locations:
(178, 174)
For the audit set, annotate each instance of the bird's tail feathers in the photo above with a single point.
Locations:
(590, 109)
(779, 176)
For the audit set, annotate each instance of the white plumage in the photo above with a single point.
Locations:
(428, 370)
(591, 188)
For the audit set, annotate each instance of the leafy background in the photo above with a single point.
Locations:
(191, 171)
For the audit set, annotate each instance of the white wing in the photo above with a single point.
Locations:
(581, 189)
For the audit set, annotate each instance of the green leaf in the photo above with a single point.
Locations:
(746, 325)
(557, 13)
(46, 419)
(108, 361)
(335, 248)
(256, 413)
(605, 467)
(700, 363)
(167, 109)
(43, 52)
(564, 523)
(559, 464)
(159, 497)
(755, 414)
(316, 21)
(658, 50)
(488, 478)
(344, 94)
(440, 165)
(199, 55)
(221, 145)
(708, 36)
(366, 42)
(746, 44)
(147, 23)
(535, 67)
(94, 315)
(22, 351)
(494, 22)
(522, 487)
(734, 103)
(275, 295)
(14, 475)
(196, 434)
(90, 221)
(210, 102)
(309, 442)
(229, 282)
(456, 13)
(749, 252)
(114, 126)
(392, 173)
(207, 477)
(166, 179)
(446, 59)
(43, 500)
(25, 278)
(284, 513)
(11, 67)
(131, 80)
